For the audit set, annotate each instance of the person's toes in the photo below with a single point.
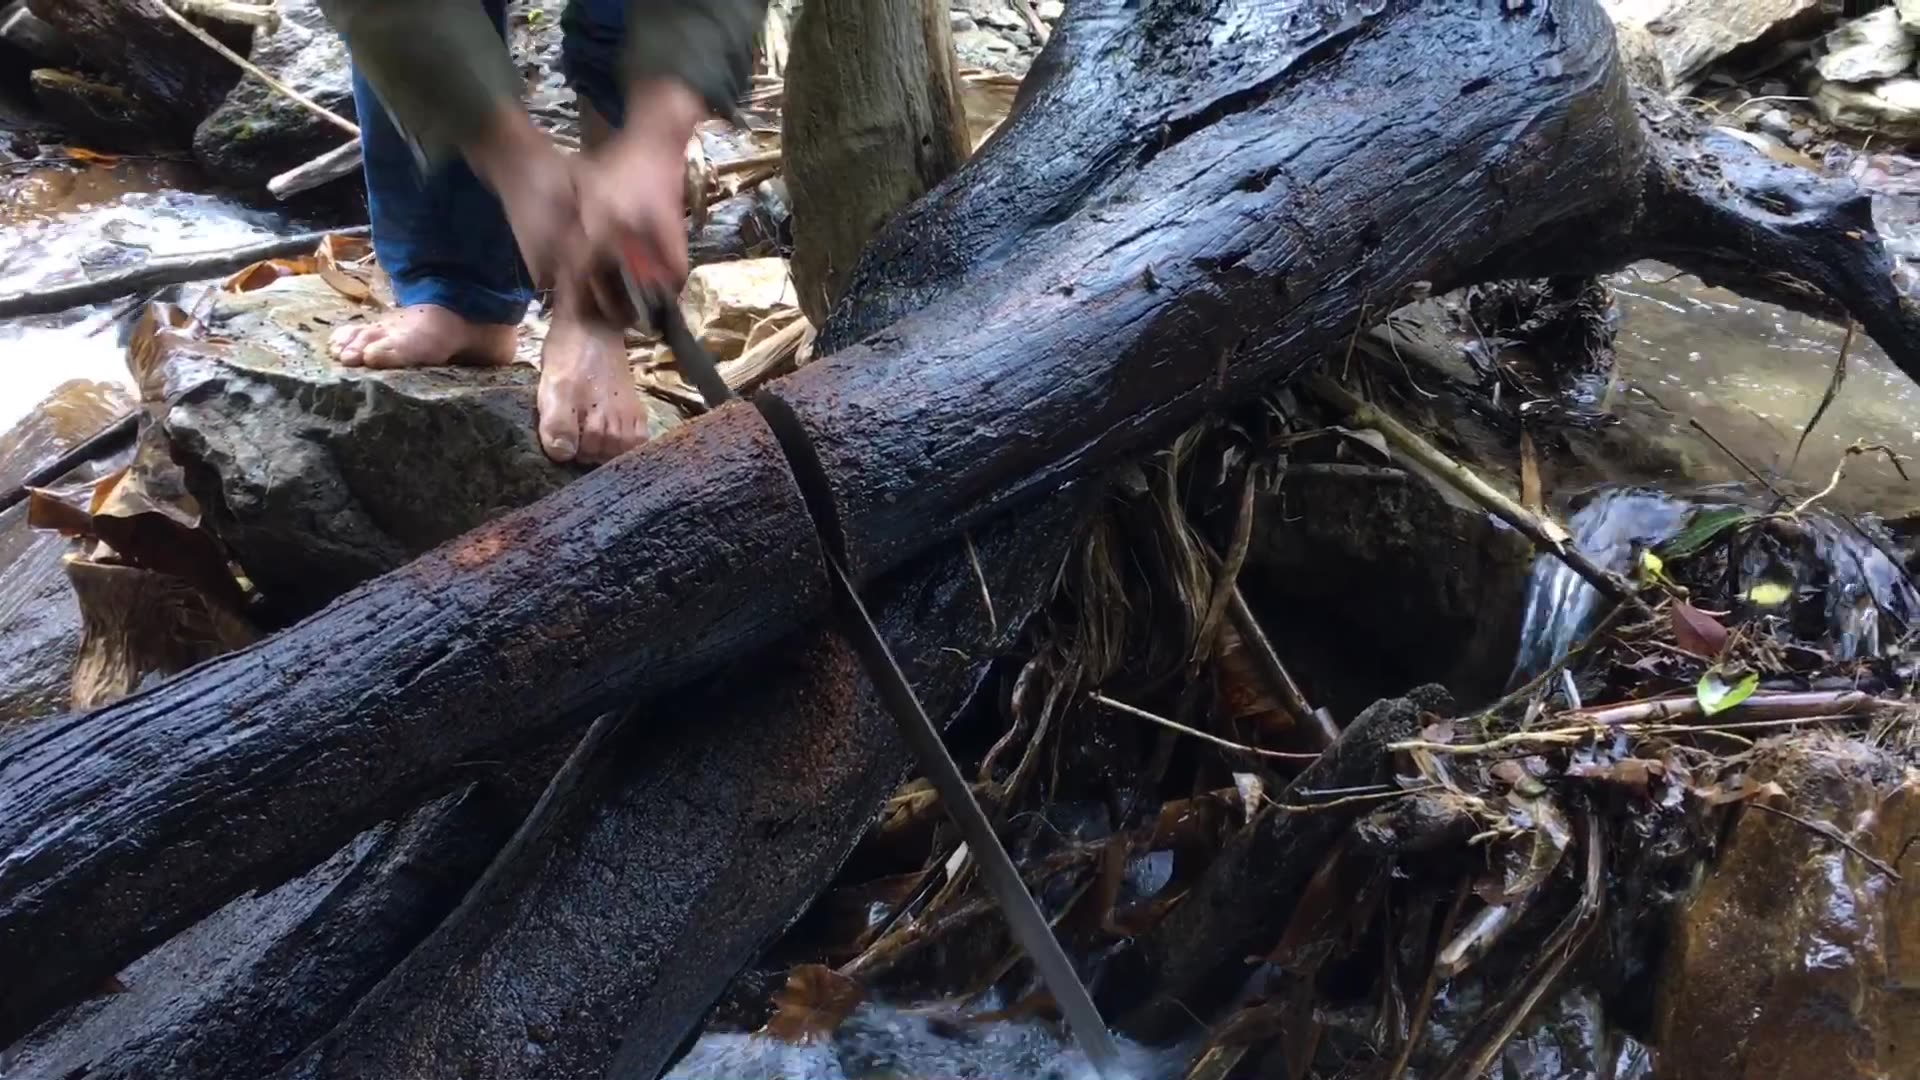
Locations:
(600, 437)
(347, 343)
(559, 423)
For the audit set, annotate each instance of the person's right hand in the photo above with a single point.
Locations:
(537, 186)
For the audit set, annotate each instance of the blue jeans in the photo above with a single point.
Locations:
(444, 239)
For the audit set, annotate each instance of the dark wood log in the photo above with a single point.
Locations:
(149, 56)
(1198, 956)
(244, 991)
(705, 831)
(150, 814)
(1199, 197)
(1108, 272)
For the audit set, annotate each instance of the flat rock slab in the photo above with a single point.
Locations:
(318, 477)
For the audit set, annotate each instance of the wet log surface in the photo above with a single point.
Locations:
(126, 825)
(1107, 273)
(697, 838)
(247, 989)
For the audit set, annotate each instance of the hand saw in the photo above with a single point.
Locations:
(1024, 917)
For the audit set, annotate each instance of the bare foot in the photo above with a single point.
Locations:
(589, 410)
(423, 335)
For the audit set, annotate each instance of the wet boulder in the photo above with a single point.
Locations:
(1795, 956)
(318, 477)
(1387, 583)
(1890, 109)
(257, 132)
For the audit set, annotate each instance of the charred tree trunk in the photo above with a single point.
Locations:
(246, 990)
(872, 121)
(693, 843)
(149, 56)
(1198, 199)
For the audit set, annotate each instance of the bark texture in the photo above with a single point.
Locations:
(701, 834)
(872, 121)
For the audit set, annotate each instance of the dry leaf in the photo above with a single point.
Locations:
(91, 157)
(812, 1004)
(1696, 631)
(347, 285)
(267, 271)
(60, 510)
(337, 251)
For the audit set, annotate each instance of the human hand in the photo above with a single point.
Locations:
(537, 186)
(633, 198)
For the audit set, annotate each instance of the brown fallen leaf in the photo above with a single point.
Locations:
(336, 251)
(346, 284)
(812, 1004)
(91, 157)
(267, 271)
(1697, 632)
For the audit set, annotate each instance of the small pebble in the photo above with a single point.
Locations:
(1775, 122)
(1801, 138)
(962, 21)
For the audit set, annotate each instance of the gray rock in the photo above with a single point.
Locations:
(1800, 138)
(1909, 14)
(961, 21)
(1686, 36)
(317, 477)
(1868, 48)
(257, 133)
(1891, 108)
(1775, 122)
(1051, 10)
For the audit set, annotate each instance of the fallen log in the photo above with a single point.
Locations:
(692, 845)
(1190, 207)
(273, 757)
(244, 991)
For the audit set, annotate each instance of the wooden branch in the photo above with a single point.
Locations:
(264, 17)
(252, 69)
(1153, 237)
(341, 161)
(1548, 537)
(161, 272)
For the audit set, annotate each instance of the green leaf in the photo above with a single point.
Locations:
(1717, 696)
(1652, 565)
(1770, 594)
(1701, 530)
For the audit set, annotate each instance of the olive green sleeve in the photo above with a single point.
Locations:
(707, 44)
(437, 65)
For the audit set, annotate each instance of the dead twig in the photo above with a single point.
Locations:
(1827, 831)
(1826, 399)
(157, 273)
(1417, 1025)
(980, 575)
(250, 68)
(1225, 744)
(1544, 533)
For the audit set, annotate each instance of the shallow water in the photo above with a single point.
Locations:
(1752, 374)
(59, 225)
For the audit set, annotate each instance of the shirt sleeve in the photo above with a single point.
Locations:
(707, 44)
(437, 65)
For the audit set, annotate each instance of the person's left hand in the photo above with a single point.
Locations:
(632, 197)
